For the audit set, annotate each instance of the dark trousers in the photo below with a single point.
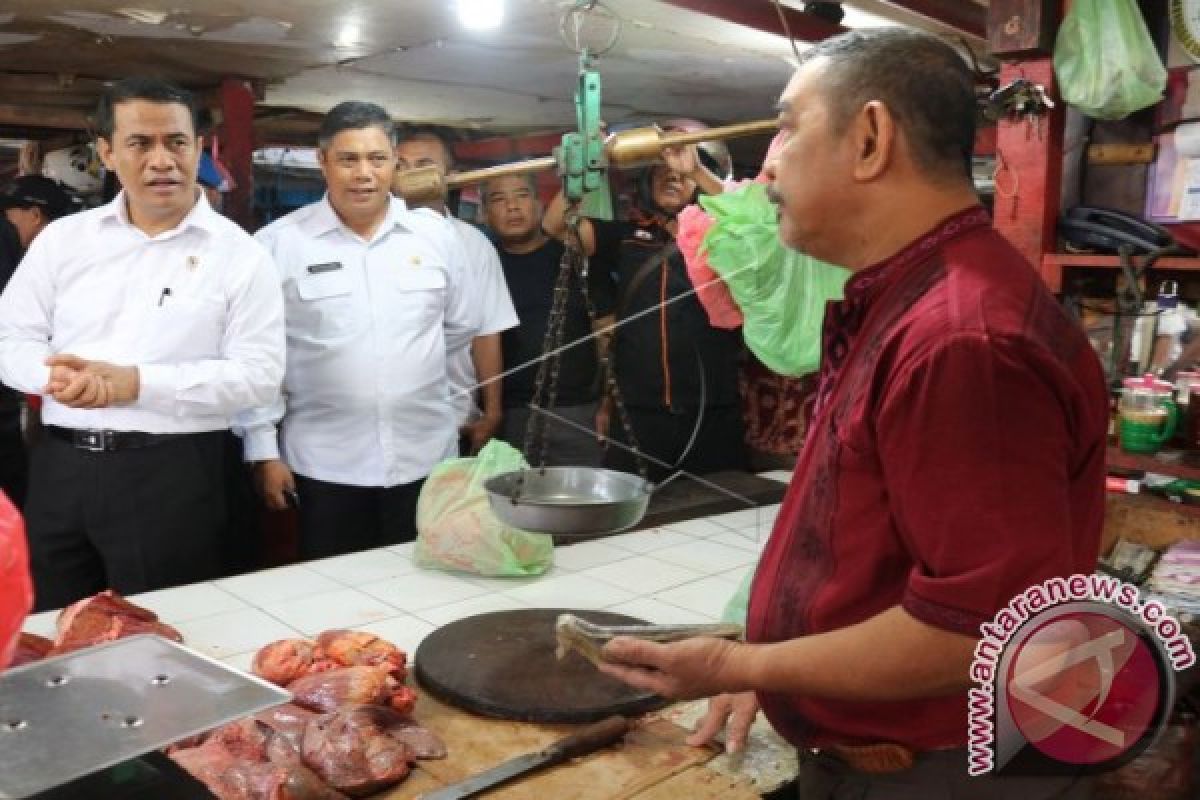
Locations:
(14, 464)
(337, 519)
(132, 520)
(937, 775)
(720, 443)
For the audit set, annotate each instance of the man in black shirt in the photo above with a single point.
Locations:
(531, 263)
(677, 373)
(29, 204)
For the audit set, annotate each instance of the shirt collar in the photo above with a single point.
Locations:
(201, 216)
(325, 220)
(868, 282)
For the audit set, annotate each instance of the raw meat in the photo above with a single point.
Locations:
(105, 617)
(423, 742)
(232, 778)
(352, 753)
(357, 648)
(288, 721)
(291, 659)
(329, 691)
(31, 647)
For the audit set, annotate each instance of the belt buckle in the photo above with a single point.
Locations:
(92, 440)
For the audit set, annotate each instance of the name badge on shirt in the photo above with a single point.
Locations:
(317, 269)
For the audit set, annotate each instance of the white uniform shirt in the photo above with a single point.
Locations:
(369, 323)
(197, 309)
(493, 305)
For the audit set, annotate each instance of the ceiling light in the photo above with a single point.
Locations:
(480, 15)
(348, 36)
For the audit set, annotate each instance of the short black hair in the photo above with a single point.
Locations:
(138, 88)
(354, 115)
(924, 82)
(429, 133)
(527, 178)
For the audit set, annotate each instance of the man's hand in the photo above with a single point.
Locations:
(686, 670)
(272, 479)
(480, 431)
(80, 383)
(732, 712)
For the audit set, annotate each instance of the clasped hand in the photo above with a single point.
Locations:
(79, 383)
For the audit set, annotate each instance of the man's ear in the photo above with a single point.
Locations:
(104, 149)
(874, 139)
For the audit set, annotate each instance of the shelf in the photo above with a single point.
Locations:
(1053, 264)
(1188, 469)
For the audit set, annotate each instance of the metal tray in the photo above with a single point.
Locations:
(69, 716)
(566, 501)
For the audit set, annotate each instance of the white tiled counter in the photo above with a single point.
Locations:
(682, 572)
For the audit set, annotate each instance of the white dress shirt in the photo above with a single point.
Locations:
(493, 305)
(369, 324)
(197, 309)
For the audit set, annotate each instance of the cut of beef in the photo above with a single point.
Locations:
(291, 659)
(328, 691)
(288, 721)
(31, 647)
(232, 778)
(103, 618)
(352, 753)
(361, 649)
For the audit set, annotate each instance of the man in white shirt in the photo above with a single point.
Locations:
(481, 362)
(147, 324)
(375, 298)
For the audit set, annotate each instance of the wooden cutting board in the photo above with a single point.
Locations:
(503, 665)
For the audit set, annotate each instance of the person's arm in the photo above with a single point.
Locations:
(487, 357)
(26, 311)
(890, 657)
(554, 224)
(247, 371)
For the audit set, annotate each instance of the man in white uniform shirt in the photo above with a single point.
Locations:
(147, 324)
(481, 362)
(374, 299)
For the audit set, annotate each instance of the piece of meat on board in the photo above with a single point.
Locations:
(30, 648)
(351, 752)
(103, 618)
(288, 721)
(288, 660)
(329, 691)
(362, 649)
(424, 743)
(232, 778)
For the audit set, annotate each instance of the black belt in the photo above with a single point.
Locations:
(101, 441)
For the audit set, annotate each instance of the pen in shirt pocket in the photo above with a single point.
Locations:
(166, 292)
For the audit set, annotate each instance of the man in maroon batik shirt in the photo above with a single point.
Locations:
(954, 458)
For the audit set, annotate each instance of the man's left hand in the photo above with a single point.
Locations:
(683, 160)
(481, 431)
(116, 385)
(686, 670)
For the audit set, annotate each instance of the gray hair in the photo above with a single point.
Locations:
(923, 81)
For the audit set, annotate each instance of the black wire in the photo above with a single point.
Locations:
(787, 29)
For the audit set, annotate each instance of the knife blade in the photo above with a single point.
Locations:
(587, 740)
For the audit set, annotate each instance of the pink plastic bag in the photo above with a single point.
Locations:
(711, 291)
(16, 587)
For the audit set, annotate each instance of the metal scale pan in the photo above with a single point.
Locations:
(569, 501)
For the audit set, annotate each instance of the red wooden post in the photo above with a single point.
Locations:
(237, 148)
(1029, 172)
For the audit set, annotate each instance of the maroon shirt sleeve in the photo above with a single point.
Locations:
(975, 441)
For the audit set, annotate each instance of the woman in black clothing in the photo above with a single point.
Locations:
(671, 366)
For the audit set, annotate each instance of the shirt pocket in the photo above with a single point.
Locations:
(185, 328)
(325, 309)
(420, 300)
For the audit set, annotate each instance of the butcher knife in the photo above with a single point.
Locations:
(586, 740)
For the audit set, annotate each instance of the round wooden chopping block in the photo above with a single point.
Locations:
(503, 665)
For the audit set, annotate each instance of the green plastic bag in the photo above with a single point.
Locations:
(781, 293)
(1105, 61)
(456, 529)
(738, 605)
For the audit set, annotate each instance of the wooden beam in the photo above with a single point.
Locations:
(961, 15)
(762, 15)
(23, 116)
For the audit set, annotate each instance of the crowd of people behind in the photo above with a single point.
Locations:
(350, 345)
